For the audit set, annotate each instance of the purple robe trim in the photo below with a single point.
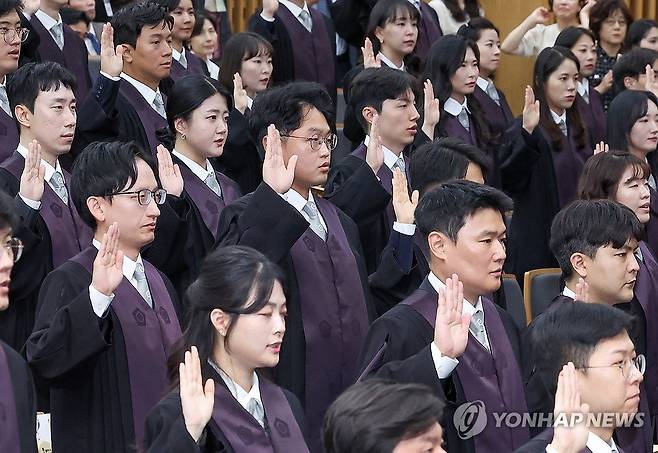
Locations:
(149, 334)
(8, 136)
(9, 441)
(312, 51)
(593, 116)
(568, 164)
(499, 117)
(73, 56)
(243, 431)
(194, 66)
(453, 128)
(151, 120)
(491, 377)
(652, 226)
(68, 233)
(334, 314)
(428, 30)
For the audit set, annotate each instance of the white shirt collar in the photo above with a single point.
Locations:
(176, 54)
(416, 3)
(598, 445)
(583, 86)
(213, 69)
(455, 108)
(147, 93)
(567, 292)
(197, 169)
(557, 118)
(294, 9)
(91, 30)
(47, 21)
(483, 83)
(384, 59)
(3, 83)
(390, 158)
(241, 395)
(296, 199)
(128, 264)
(467, 307)
(50, 170)
(250, 102)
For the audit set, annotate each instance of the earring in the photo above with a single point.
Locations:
(183, 136)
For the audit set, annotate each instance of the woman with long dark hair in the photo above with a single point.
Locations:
(221, 403)
(197, 114)
(542, 159)
(642, 33)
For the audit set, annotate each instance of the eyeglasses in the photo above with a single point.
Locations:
(14, 247)
(611, 21)
(9, 34)
(145, 196)
(316, 142)
(639, 363)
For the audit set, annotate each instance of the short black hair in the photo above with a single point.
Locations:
(632, 64)
(8, 216)
(637, 32)
(443, 160)
(569, 332)
(373, 416)
(7, 6)
(584, 226)
(72, 16)
(446, 208)
(103, 169)
(241, 47)
(29, 80)
(286, 106)
(625, 109)
(570, 36)
(473, 29)
(373, 86)
(129, 21)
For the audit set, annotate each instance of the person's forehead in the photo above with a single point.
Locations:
(11, 17)
(610, 346)
(314, 120)
(61, 93)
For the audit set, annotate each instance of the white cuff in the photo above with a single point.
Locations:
(408, 229)
(550, 449)
(444, 365)
(31, 203)
(269, 19)
(99, 301)
(107, 76)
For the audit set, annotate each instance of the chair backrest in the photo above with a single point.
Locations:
(540, 287)
(514, 300)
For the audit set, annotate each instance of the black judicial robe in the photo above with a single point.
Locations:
(50, 236)
(429, 30)
(594, 116)
(194, 66)
(652, 226)
(499, 117)
(312, 56)
(265, 221)
(398, 348)
(8, 135)
(86, 359)
(242, 159)
(73, 56)
(166, 432)
(539, 190)
(17, 404)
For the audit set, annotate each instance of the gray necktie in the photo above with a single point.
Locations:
(585, 96)
(638, 255)
(314, 219)
(57, 32)
(652, 182)
(563, 127)
(463, 119)
(4, 100)
(400, 164)
(58, 185)
(493, 93)
(142, 284)
(256, 410)
(211, 182)
(158, 105)
(183, 59)
(477, 328)
(305, 19)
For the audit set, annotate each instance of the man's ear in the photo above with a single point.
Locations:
(579, 263)
(96, 206)
(368, 113)
(437, 243)
(128, 53)
(23, 115)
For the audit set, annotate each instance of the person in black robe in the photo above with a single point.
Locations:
(316, 244)
(304, 42)
(220, 403)
(594, 242)
(361, 183)
(467, 349)
(10, 48)
(18, 423)
(107, 318)
(591, 345)
(541, 160)
(50, 228)
(127, 104)
(197, 110)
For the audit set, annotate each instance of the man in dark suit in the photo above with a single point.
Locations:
(591, 344)
(465, 348)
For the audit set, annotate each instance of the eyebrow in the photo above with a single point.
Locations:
(63, 100)
(493, 233)
(319, 131)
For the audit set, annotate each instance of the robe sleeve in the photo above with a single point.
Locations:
(518, 158)
(390, 283)
(165, 430)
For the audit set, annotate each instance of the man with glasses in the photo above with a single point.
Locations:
(594, 340)
(315, 243)
(108, 317)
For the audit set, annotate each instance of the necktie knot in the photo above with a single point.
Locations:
(463, 118)
(183, 59)
(306, 20)
(401, 164)
(158, 104)
(477, 328)
(139, 273)
(59, 186)
(311, 209)
(142, 285)
(256, 410)
(492, 92)
(57, 32)
(94, 42)
(211, 182)
(4, 100)
(563, 127)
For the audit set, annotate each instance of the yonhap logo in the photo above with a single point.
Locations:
(470, 419)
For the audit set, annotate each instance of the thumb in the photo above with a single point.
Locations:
(292, 163)
(414, 197)
(120, 50)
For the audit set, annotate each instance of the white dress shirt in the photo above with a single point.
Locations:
(384, 59)
(557, 118)
(298, 202)
(455, 108)
(213, 69)
(147, 93)
(99, 301)
(198, 170)
(48, 22)
(250, 102)
(537, 39)
(176, 54)
(50, 170)
(583, 86)
(595, 444)
(484, 83)
(568, 293)
(241, 395)
(445, 365)
(88, 43)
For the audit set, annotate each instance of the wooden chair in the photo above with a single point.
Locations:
(514, 300)
(540, 287)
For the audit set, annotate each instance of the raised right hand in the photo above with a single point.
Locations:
(540, 15)
(601, 147)
(404, 206)
(605, 84)
(451, 328)
(375, 151)
(369, 58)
(270, 7)
(582, 291)
(32, 178)
(530, 110)
(275, 172)
(197, 400)
(239, 94)
(111, 57)
(570, 430)
(108, 265)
